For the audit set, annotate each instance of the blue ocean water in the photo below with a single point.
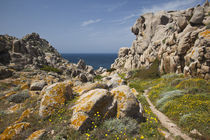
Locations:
(95, 60)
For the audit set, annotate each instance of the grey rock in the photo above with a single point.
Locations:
(198, 16)
(38, 85)
(5, 72)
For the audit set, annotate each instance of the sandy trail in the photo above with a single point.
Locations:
(165, 121)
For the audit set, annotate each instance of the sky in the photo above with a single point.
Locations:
(81, 26)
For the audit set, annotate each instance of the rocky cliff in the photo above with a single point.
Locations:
(35, 53)
(178, 39)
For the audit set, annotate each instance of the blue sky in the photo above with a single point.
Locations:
(81, 26)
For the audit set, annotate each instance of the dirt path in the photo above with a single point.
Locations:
(165, 121)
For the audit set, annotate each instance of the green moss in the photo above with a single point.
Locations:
(50, 69)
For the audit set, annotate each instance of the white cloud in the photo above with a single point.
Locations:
(126, 18)
(118, 5)
(88, 22)
(173, 5)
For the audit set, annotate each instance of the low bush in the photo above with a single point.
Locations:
(50, 69)
(111, 70)
(148, 73)
(19, 97)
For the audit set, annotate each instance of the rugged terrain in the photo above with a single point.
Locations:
(43, 96)
(178, 39)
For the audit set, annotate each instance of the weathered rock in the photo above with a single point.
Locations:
(123, 52)
(36, 135)
(38, 85)
(198, 16)
(115, 81)
(5, 72)
(172, 37)
(83, 88)
(100, 103)
(19, 97)
(127, 104)
(98, 100)
(13, 130)
(81, 64)
(54, 96)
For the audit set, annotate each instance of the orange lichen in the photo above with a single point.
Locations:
(15, 108)
(79, 120)
(24, 86)
(8, 94)
(25, 114)
(36, 135)
(13, 130)
(205, 34)
(54, 97)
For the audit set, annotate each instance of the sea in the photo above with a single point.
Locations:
(96, 60)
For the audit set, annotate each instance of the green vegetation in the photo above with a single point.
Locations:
(164, 41)
(148, 73)
(98, 78)
(122, 75)
(184, 100)
(50, 69)
(111, 70)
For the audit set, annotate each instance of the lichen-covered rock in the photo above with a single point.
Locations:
(38, 85)
(121, 102)
(114, 81)
(83, 88)
(25, 114)
(54, 96)
(36, 135)
(98, 100)
(127, 103)
(13, 130)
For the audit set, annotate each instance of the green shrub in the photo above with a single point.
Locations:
(50, 69)
(125, 125)
(148, 73)
(111, 70)
(164, 41)
(98, 78)
(19, 97)
(165, 97)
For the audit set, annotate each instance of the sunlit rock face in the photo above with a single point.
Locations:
(179, 39)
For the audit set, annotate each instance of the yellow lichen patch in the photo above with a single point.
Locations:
(13, 130)
(8, 94)
(54, 97)
(15, 108)
(25, 114)
(36, 135)
(24, 86)
(78, 120)
(205, 34)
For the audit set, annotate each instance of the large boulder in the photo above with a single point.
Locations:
(100, 104)
(114, 81)
(127, 104)
(5, 72)
(38, 85)
(54, 96)
(98, 100)
(198, 16)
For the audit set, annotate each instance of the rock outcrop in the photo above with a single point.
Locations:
(178, 39)
(33, 52)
